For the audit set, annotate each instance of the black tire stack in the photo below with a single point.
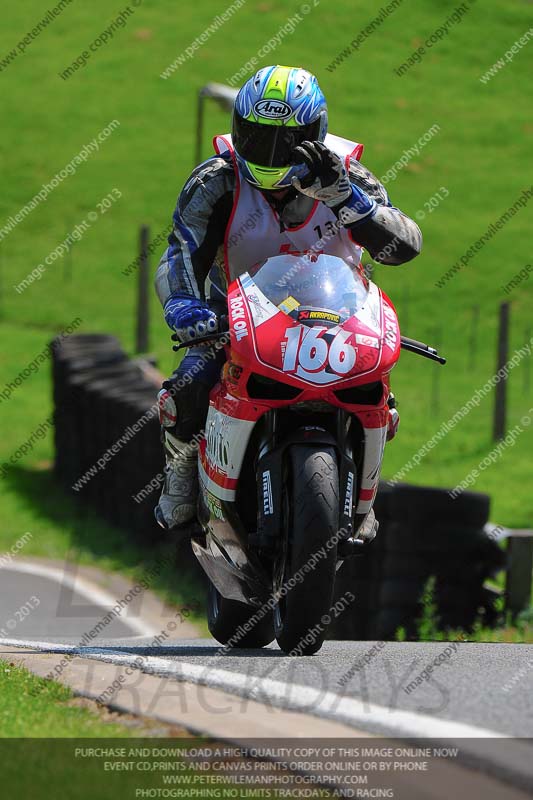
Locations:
(98, 393)
(423, 533)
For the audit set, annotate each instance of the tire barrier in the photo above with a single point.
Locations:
(106, 431)
(423, 534)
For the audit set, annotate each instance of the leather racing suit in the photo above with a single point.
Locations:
(215, 238)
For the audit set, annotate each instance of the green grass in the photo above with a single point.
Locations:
(45, 713)
(38, 708)
(510, 628)
(481, 155)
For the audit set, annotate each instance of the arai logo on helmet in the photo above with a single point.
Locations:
(273, 109)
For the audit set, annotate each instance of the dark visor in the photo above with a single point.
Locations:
(270, 145)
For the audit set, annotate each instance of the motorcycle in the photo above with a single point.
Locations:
(290, 458)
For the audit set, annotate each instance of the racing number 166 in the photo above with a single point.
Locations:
(306, 348)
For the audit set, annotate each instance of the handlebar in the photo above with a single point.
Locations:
(421, 349)
(413, 345)
(223, 324)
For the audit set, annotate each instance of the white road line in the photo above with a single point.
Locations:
(294, 697)
(92, 592)
(514, 766)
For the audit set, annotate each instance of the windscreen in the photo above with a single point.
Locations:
(300, 283)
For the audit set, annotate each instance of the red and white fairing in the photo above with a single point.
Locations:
(320, 360)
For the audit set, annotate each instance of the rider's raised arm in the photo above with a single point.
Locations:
(390, 236)
(200, 220)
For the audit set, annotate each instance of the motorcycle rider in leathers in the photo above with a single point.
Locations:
(278, 184)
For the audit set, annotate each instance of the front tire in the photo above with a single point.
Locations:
(225, 616)
(301, 617)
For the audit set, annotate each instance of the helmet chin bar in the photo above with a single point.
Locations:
(265, 178)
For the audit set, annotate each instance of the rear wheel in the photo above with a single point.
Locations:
(307, 568)
(224, 617)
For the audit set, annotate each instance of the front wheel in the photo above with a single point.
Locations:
(232, 623)
(307, 570)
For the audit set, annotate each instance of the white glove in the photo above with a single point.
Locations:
(328, 182)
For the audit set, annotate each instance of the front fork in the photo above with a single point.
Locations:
(269, 472)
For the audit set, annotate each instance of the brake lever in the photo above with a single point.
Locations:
(214, 337)
(223, 322)
(421, 349)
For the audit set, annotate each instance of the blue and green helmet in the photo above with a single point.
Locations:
(277, 109)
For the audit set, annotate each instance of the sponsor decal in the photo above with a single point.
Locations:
(349, 496)
(217, 450)
(324, 316)
(368, 341)
(256, 302)
(215, 506)
(289, 304)
(272, 109)
(268, 503)
(391, 328)
(238, 317)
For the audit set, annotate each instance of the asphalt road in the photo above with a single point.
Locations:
(34, 605)
(488, 686)
(468, 688)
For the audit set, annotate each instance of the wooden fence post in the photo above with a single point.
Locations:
(500, 400)
(519, 572)
(142, 317)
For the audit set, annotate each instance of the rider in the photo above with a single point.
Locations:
(278, 184)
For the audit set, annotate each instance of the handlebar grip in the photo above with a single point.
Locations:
(416, 343)
(422, 349)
